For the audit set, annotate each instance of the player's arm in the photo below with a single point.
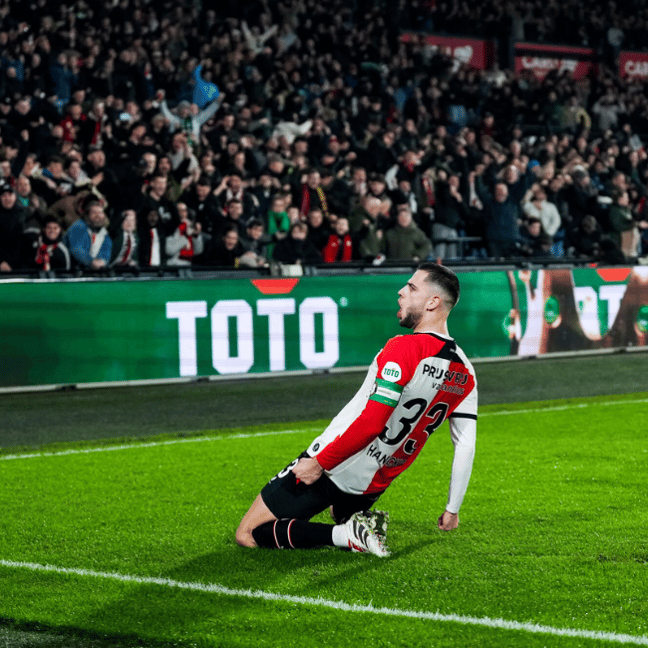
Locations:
(358, 435)
(463, 431)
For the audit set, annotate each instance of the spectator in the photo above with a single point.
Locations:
(44, 248)
(296, 248)
(188, 117)
(256, 243)
(318, 230)
(625, 229)
(536, 205)
(88, 239)
(186, 242)
(125, 249)
(339, 246)
(228, 249)
(502, 220)
(152, 239)
(232, 187)
(449, 216)
(12, 222)
(406, 241)
(312, 194)
(200, 199)
(155, 199)
(535, 242)
(278, 220)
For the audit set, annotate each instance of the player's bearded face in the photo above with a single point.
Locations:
(411, 318)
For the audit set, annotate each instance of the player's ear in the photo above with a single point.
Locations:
(433, 303)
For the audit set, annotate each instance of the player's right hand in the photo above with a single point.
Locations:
(308, 470)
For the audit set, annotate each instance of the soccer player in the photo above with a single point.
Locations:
(413, 385)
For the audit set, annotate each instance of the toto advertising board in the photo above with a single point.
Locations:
(91, 331)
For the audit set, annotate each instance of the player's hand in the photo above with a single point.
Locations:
(448, 521)
(308, 471)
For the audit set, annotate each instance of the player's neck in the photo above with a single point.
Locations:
(438, 325)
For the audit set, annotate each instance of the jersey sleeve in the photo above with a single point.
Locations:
(463, 431)
(395, 370)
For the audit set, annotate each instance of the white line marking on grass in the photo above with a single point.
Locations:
(214, 588)
(154, 444)
(562, 408)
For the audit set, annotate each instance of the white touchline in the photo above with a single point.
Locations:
(152, 444)
(224, 437)
(214, 588)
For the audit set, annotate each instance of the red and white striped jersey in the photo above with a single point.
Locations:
(413, 385)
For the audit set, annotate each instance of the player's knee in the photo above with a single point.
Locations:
(244, 537)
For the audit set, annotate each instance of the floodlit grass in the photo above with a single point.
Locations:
(553, 532)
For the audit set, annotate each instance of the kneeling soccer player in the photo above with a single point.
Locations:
(414, 384)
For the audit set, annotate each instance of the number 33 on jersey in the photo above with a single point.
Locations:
(413, 385)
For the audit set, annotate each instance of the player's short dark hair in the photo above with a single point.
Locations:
(443, 277)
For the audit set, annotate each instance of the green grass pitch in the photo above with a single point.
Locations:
(133, 544)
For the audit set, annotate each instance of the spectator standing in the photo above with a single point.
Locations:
(45, 249)
(406, 241)
(296, 248)
(152, 239)
(256, 243)
(13, 219)
(125, 249)
(88, 239)
(186, 242)
(449, 215)
(228, 249)
(339, 247)
(502, 217)
(319, 231)
(536, 205)
(155, 199)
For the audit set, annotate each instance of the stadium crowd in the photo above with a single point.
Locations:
(147, 133)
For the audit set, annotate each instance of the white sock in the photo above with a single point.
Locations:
(340, 536)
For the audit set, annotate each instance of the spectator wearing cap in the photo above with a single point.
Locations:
(88, 240)
(12, 222)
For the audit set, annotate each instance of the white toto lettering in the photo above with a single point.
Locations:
(235, 328)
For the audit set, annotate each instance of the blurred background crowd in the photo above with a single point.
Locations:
(149, 133)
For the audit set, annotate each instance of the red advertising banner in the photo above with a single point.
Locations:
(633, 65)
(478, 54)
(542, 59)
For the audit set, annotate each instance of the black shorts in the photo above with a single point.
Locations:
(287, 499)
